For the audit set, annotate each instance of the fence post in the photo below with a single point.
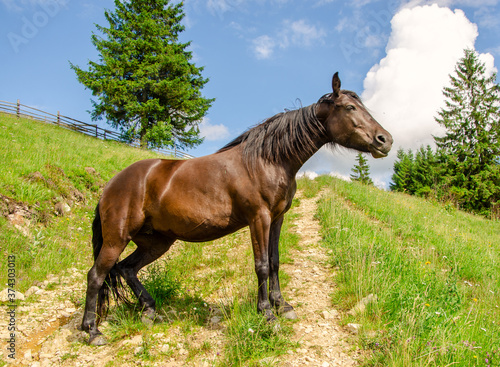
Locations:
(18, 114)
(96, 131)
(58, 117)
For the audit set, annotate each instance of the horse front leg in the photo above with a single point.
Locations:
(284, 308)
(259, 231)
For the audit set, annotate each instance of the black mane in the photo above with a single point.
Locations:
(283, 137)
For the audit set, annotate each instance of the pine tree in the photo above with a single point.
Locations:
(402, 178)
(145, 82)
(425, 171)
(472, 140)
(361, 171)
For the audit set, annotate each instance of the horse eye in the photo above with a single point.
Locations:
(350, 107)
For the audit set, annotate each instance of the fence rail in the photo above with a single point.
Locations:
(21, 110)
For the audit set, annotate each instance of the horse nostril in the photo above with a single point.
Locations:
(381, 139)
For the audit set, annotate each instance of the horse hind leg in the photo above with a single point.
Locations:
(149, 248)
(97, 291)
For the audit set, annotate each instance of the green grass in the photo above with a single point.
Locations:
(435, 271)
(45, 165)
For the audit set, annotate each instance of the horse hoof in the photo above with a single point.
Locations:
(290, 315)
(98, 340)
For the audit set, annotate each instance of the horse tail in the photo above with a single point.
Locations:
(112, 283)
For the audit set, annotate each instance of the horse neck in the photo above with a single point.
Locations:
(316, 138)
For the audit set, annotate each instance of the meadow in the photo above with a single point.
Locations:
(433, 271)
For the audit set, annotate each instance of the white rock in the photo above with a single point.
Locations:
(361, 305)
(325, 315)
(27, 355)
(4, 295)
(136, 340)
(164, 348)
(354, 328)
(32, 290)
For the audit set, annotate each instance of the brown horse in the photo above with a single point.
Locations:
(249, 182)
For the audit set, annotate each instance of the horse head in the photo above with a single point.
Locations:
(348, 123)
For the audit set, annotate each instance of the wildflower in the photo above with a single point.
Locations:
(427, 262)
(475, 299)
(250, 330)
(427, 305)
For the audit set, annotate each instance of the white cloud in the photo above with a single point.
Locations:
(292, 34)
(213, 132)
(309, 174)
(263, 47)
(404, 90)
(300, 33)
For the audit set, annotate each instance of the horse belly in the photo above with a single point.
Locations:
(197, 220)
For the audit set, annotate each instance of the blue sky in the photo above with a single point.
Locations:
(263, 56)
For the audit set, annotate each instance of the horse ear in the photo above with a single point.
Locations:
(336, 85)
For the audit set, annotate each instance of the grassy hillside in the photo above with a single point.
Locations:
(45, 167)
(435, 272)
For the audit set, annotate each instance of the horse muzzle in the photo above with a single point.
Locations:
(381, 145)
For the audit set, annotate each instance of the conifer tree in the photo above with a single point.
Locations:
(472, 140)
(361, 171)
(402, 178)
(145, 83)
(425, 171)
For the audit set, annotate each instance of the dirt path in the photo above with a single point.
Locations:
(47, 333)
(323, 342)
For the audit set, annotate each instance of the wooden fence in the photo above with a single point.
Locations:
(21, 110)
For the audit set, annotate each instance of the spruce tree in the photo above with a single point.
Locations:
(402, 178)
(361, 171)
(472, 140)
(145, 83)
(425, 171)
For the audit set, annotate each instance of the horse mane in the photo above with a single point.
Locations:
(285, 136)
